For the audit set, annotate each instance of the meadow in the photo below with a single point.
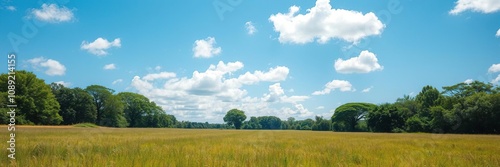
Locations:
(53, 146)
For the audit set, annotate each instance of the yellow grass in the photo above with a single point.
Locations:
(73, 146)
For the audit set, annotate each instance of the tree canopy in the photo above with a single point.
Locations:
(235, 117)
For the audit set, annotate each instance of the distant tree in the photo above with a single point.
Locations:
(141, 112)
(321, 124)
(235, 117)
(76, 104)
(270, 122)
(348, 116)
(253, 123)
(36, 104)
(109, 106)
(386, 118)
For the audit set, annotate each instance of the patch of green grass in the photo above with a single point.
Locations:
(70, 146)
(86, 125)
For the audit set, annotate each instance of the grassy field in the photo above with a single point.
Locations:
(79, 146)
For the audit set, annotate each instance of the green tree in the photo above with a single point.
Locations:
(34, 99)
(76, 104)
(253, 123)
(321, 124)
(109, 107)
(386, 118)
(235, 117)
(348, 116)
(141, 112)
(270, 122)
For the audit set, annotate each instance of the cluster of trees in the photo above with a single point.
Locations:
(236, 118)
(41, 104)
(462, 108)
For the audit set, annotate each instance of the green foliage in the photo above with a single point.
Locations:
(386, 118)
(109, 107)
(76, 104)
(235, 117)
(34, 99)
(321, 124)
(270, 122)
(140, 112)
(347, 116)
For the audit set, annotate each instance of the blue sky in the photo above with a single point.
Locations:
(198, 59)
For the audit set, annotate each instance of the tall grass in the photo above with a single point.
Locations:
(71, 146)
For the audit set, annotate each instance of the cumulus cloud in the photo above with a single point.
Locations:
(250, 28)
(52, 13)
(161, 75)
(482, 6)
(273, 75)
(277, 94)
(109, 67)
(100, 46)
(322, 23)
(498, 33)
(494, 68)
(342, 85)
(366, 62)
(205, 48)
(208, 95)
(320, 107)
(52, 67)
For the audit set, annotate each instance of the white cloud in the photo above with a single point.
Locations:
(322, 23)
(366, 62)
(65, 84)
(498, 33)
(117, 81)
(11, 8)
(277, 94)
(494, 68)
(496, 80)
(161, 75)
(273, 75)
(320, 107)
(53, 67)
(250, 28)
(205, 48)
(109, 67)
(482, 6)
(341, 85)
(208, 95)
(468, 81)
(53, 13)
(100, 45)
(367, 89)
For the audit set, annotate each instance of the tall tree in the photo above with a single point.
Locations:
(109, 107)
(348, 116)
(35, 102)
(270, 122)
(235, 117)
(76, 104)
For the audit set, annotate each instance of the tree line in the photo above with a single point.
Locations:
(39, 103)
(461, 108)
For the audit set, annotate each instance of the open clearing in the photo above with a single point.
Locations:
(70, 146)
